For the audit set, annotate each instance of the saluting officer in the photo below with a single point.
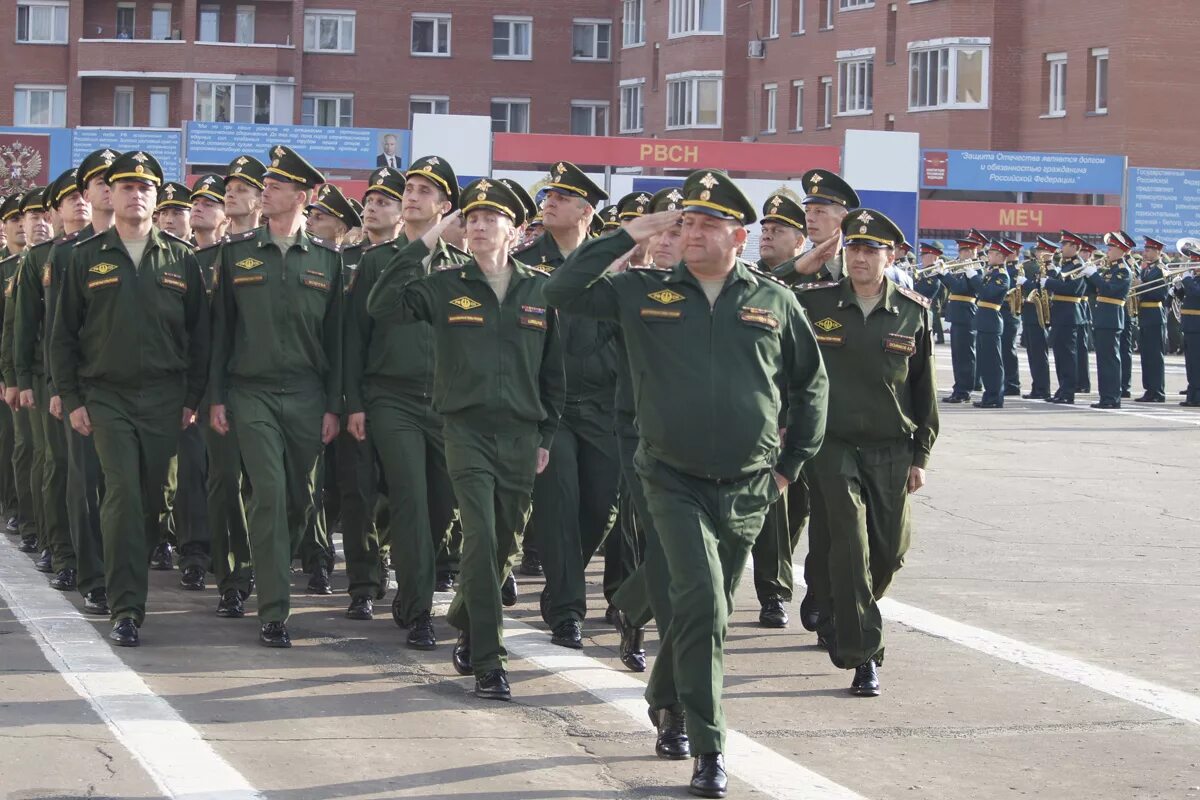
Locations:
(1111, 282)
(989, 327)
(1037, 345)
(277, 354)
(961, 311)
(1066, 315)
(709, 323)
(784, 232)
(129, 355)
(876, 340)
(1152, 322)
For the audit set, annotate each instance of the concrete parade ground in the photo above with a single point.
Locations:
(1042, 643)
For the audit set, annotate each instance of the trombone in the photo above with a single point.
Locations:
(1171, 270)
(952, 266)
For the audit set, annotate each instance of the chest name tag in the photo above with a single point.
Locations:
(315, 272)
(465, 319)
(759, 316)
(661, 313)
(533, 310)
(897, 343)
(831, 339)
(103, 283)
(173, 281)
(537, 323)
(242, 280)
(313, 283)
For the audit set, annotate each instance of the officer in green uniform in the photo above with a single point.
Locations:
(33, 379)
(784, 232)
(876, 339)
(129, 355)
(498, 383)
(390, 388)
(277, 356)
(711, 460)
(10, 464)
(575, 498)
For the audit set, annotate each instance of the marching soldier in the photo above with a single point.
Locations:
(1151, 324)
(14, 243)
(16, 429)
(1037, 346)
(989, 327)
(284, 390)
(129, 354)
(498, 383)
(709, 316)
(1067, 287)
(1011, 320)
(960, 313)
(1111, 282)
(1086, 337)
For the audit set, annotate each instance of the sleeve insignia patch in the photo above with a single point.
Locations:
(666, 296)
(465, 303)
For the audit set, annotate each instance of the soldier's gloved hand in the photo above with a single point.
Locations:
(643, 228)
(356, 426)
(27, 400)
(916, 479)
(217, 419)
(56, 407)
(81, 422)
(1090, 270)
(1042, 282)
(330, 425)
(543, 459)
(970, 272)
(1021, 280)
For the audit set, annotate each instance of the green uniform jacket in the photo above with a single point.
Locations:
(882, 382)
(33, 282)
(123, 328)
(710, 384)
(8, 273)
(398, 355)
(59, 259)
(496, 363)
(786, 271)
(207, 258)
(277, 325)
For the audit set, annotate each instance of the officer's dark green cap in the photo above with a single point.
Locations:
(595, 225)
(568, 179)
(633, 205)
(174, 195)
(248, 169)
(823, 186)
(668, 199)
(358, 209)
(63, 185)
(388, 182)
(34, 199)
(288, 165)
(872, 228)
(783, 209)
(96, 163)
(211, 186)
(136, 165)
(609, 217)
(11, 206)
(438, 171)
(331, 200)
(531, 208)
(494, 195)
(712, 192)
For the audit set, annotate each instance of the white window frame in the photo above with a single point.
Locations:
(55, 8)
(593, 105)
(515, 101)
(155, 11)
(629, 88)
(512, 22)
(272, 120)
(165, 92)
(798, 103)
(58, 97)
(829, 12)
(131, 7)
(684, 18)
(237, 24)
(432, 99)
(118, 92)
(1100, 56)
(633, 23)
(856, 67)
(947, 86)
(1056, 101)
(854, 5)
(692, 81)
(595, 24)
(439, 21)
(326, 97)
(342, 17)
(826, 120)
(770, 107)
(208, 9)
(772, 19)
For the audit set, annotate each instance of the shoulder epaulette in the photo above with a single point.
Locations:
(456, 250)
(806, 287)
(916, 297)
(448, 266)
(240, 237)
(539, 269)
(217, 243)
(368, 248)
(88, 239)
(13, 257)
(524, 249)
(177, 239)
(648, 268)
(45, 244)
(67, 237)
(317, 240)
(764, 275)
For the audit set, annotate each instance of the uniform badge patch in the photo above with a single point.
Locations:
(533, 310)
(666, 296)
(828, 324)
(758, 316)
(831, 340)
(898, 343)
(173, 281)
(465, 303)
(102, 269)
(104, 282)
(661, 313)
(241, 280)
(537, 323)
(465, 319)
(248, 263)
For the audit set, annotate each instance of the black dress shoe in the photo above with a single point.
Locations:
(64, 581)
(672, 740)
(956, 398)
(866, 681)
(462, 655)
(124, 633)
(96, 602)
(44, 562)
(274, 634)
(1190, 404)
(1126, 394)
(531, 564)
(1011, 392)
(192, 579)
(1150, 398)
(772, 614)
(1035, 396)
(162, 557)
(810, 617)
(981, 404)
(28, 545)
(633, 655)
(508, 591)
(13, 525)
(568, 634)
(445, 582)
(420, 635)
(1106, 405)
(493, 686)
(361, 607)
(231, 605)
(610, 614)
(319, 582)
(708, 776)
(1062, 401)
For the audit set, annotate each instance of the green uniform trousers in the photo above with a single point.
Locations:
(706, 530)
(36, 477)
(229, 537)
(492, 475)
(574, 507)
(636, 597)
(85, 489)
(190, 511)
(357, 482)
(136, 433)
(622, 554)
(22, 463)
(776, 544)
(863, 493)
(280, 438)
(8, 483)
(406, 434)
(55, 525)
(316, 546)
(816, 562)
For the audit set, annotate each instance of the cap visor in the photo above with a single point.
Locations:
(711, 212)
(866, 242)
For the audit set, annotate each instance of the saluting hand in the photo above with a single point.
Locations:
(81, 422)
(217, 419)
(916, 479)
(430, 239)
(543, 458)
(330, 425)
(356, 426)
(643, 228)
(811, 262)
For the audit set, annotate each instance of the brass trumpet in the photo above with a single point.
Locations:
(952, 266)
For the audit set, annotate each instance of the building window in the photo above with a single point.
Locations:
(826, 14)
(327, 110)
(328, 32)
(631, 107)
(431, 35)
(42, 23)
(850, 5)
(512, 37)
(510, 116)
(1100, 79)
(424, 104)
(688, 17)
(123, 107)
(797, 105)
(244, 32)
(772, 18)
(633, 23)
(589, 118)
(233, 102)
(694, 101)
(591, 40)
(826, 100)
(798, 17)
(855, 89)
(954, 76)
(160, 22)
(770, 99)
(1056, 71)
(40, 106)
(160, 107)
(210, 24)
(125, 21)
